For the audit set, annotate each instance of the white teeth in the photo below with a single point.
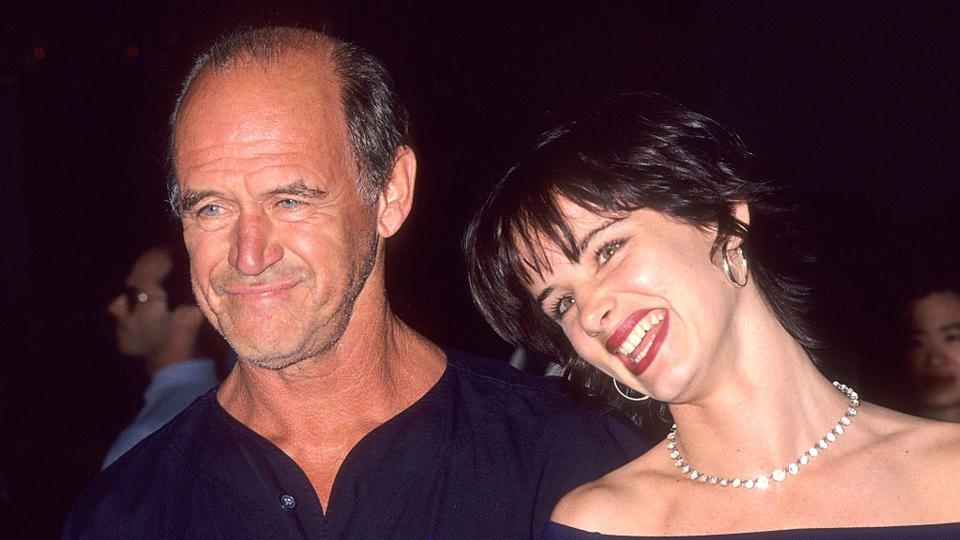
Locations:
(643, 353)
(637, 334)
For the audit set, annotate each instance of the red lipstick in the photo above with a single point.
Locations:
(648, 347)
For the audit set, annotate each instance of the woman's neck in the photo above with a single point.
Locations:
(759, 410)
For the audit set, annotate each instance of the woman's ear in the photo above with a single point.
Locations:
(741, 212)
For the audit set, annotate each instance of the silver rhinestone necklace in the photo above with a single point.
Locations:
(778, 475)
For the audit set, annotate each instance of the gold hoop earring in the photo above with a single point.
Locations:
(724, 259)
(627, 397)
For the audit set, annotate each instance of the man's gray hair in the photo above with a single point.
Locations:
(377, 122)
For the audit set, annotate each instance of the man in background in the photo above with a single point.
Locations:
(158, 321)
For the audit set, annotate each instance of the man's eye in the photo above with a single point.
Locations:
(210, 210)
(289, 204)
(607, 250)
(561, 306)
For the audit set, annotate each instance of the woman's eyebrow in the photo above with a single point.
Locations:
(543, 295)
(950, 326)
(585, 242)
(581, 247)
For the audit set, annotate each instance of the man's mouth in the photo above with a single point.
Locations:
(637, 340)
(262, 290)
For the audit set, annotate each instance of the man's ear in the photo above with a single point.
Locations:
(396, 198)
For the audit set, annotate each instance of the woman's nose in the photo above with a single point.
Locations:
(933, 357)
(596, 313)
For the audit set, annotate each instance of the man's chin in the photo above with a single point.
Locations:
(273, 355)
(271, 362)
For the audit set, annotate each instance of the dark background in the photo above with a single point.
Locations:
(854, 103)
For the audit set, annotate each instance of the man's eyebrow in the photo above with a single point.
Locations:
(189, 199)
(300, 189)
(585, 242)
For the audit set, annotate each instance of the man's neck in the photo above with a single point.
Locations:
(317, 410)
(378, 375)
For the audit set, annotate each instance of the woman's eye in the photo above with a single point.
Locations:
(607, 250)
(562, 305)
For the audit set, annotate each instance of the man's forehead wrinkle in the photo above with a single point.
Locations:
(240, 151)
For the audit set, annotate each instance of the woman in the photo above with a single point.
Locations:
(934, 352)
(635, 240)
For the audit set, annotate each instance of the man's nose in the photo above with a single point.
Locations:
(255, 247)
(596, 312)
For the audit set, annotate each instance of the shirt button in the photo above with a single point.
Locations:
(288, 502)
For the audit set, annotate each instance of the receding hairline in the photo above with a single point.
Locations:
(290, 56)
(315, 58)
(280, 48)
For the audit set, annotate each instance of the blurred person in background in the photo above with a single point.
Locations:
(158, 321)
(933, 348)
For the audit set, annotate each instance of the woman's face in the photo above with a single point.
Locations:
(935, 349)
(645, 303)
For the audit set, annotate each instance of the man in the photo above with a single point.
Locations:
(158, 320)
(339, 421)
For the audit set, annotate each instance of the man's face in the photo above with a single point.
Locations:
(280, 242)
(143, 320)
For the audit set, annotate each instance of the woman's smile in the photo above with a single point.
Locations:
(638, 338)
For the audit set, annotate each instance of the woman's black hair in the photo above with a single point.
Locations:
(631, 151)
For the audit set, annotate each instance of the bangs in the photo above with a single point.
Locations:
(537, 222)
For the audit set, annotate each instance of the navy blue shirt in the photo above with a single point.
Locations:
(556, 531)
(485, 453)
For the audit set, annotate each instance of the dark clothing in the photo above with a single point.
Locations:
(486, 453)
(555, 531)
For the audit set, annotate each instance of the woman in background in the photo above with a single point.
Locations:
(933, 352)
(634, 244)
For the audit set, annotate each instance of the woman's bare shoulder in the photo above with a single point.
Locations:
(920, 455)
(914, 437)
(623, 494)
